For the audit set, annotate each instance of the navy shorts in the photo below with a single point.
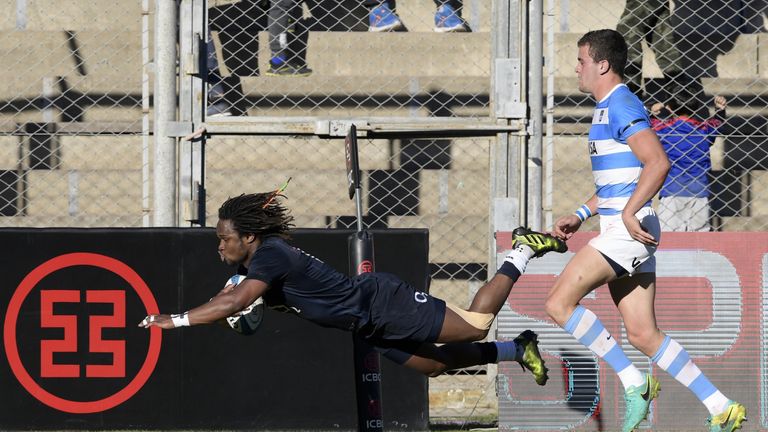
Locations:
(402, 319)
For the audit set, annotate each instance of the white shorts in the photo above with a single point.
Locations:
(684, 214)
(615, 242)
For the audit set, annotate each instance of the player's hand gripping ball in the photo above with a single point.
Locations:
(248, 320)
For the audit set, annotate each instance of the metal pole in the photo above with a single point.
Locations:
(366, 359)
(145, 145)
(535, 101)
(506, 164)
(549, 150)
(359, 208)
(164, 208)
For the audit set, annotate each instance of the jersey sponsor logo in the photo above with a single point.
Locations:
(420, 296)
(592, 148)
(635, 262)
(601, 116)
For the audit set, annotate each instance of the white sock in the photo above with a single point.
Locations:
(519, 257)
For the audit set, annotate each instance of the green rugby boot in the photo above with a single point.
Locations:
(730, 419)
(540, 243)
(531, 360)
(638, 400)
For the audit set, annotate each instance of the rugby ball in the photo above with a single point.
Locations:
(248, 320)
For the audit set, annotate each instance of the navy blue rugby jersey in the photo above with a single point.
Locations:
(302, 284)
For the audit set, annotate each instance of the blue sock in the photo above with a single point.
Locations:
(674, 359)
(590, 331)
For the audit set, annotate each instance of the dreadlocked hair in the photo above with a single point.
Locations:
(258, 213)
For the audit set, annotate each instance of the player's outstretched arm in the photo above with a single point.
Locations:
(223, 305)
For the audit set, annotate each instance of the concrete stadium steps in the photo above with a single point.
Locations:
(388, 67)
(380, 70)
(72, 15)
(393, 54)
(226, 152)
(94, 153)
(362, 105)
(80, 152)
(453, 192)
(81, 221)
(584, 15)
(452, 238)
(418, 15)
(104, 62)
(10, 149)
(311, 193)
(315, 192)
(758, 193)
(223, 153)
(315, 86)
(75, 193)
(400, 96)
(92, 120)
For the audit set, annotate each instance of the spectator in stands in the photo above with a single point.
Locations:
(402, 323)
(219, 101)
(382, 16)
(684, 197)
(288, 37)
(649, 20)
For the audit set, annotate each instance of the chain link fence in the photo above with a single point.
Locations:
(75, 135)
(72, 140)
(76, 144)
(338, 67)
(682, 55)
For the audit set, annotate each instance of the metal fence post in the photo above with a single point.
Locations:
(535, 96)
(164, 208)
(507, 167)
(192, 77)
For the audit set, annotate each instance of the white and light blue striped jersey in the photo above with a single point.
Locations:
(616, 169)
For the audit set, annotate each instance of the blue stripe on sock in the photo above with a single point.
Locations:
(702, 387)
(678, 363)
(664, 344)
(573, 321)
(617, 359)
(592, 333)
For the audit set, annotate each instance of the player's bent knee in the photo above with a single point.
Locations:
(643, 339)
(480, 321)
(556, 310)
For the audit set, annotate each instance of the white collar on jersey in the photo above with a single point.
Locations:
(611, 92)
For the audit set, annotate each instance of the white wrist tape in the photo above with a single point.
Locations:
(180, 320)
(583, 213)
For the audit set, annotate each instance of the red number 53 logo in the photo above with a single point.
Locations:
(69, 323)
